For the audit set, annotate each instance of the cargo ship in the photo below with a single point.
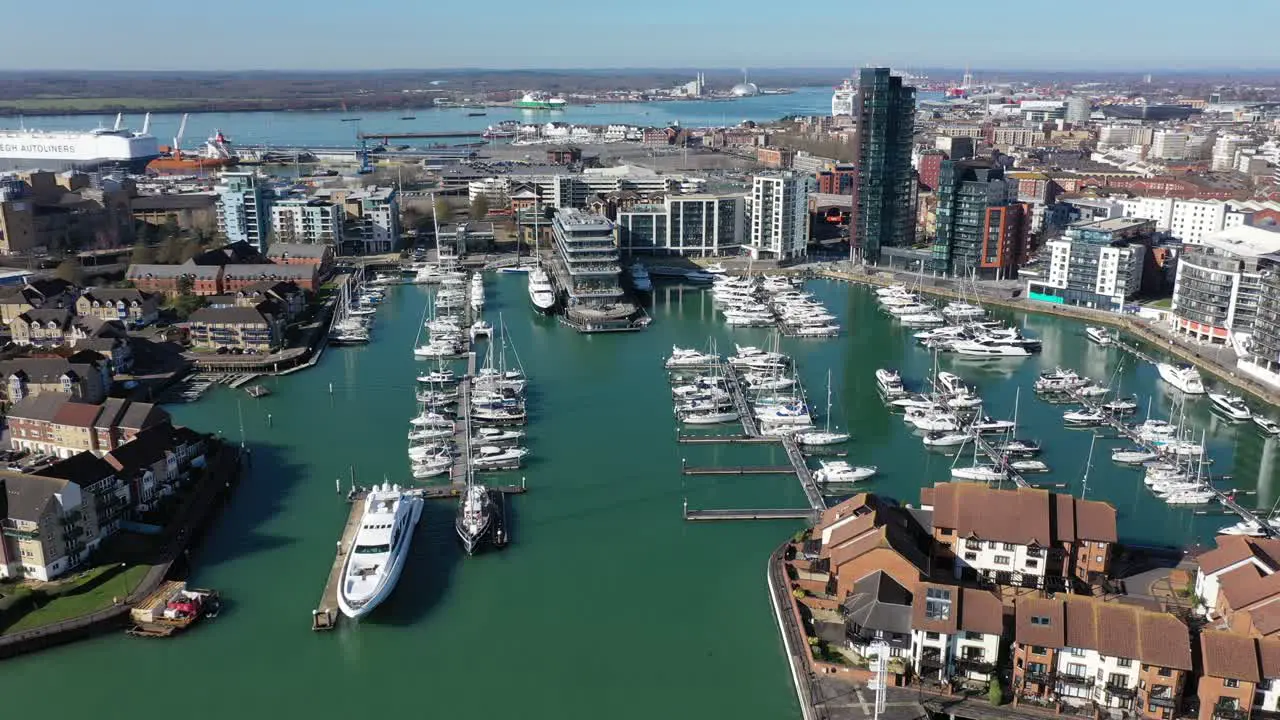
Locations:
(114, 148)
(540, 101)
(217, 154)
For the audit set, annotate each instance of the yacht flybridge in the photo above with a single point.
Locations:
(377, 554)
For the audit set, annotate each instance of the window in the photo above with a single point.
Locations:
(1003, 560)
(991, 544)
(1033, 563)
(1231, 682)
(1037, 650)
(971, 635)
(1039, 620)
(1077, 652)
(1008, 547)
(970, 556)
(946, 531)
(1124, 662)
(937, 604)
(1164, 672)
(1077, 670)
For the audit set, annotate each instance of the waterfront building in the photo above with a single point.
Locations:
(317, 256)
(1263, 358)
(156, 460)
(587, 260)
(864, 535)
(112, 499)
(1024, 537)
(258, 329)
(1097, 264)
(457, 240)
(306, 221)
(1083, 651)
(244, 209)
(878, 609)
(375, 215)
(235, 277)
(1238, 584)
(779, 215)
(884, 209)
(287, 295)
(1231, 682)
(956, 633)
(1218, 289)
(84, 376)
(130, 306)
(173, 279)
(35, 293)
(980, 225)
(49, 526)
(697, 225)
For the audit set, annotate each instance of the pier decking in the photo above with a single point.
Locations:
(462, 433)
(326, 614)
(812, 493)
(733, 383)
(760, 514)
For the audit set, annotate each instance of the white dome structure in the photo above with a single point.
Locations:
(745, 89)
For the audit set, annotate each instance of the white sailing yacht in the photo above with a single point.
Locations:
(825, 436)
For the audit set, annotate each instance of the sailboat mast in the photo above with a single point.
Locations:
(1088, 465)
(828, 399)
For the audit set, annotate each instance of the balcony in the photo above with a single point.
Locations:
(977, 665)
(1163, 701)
(1229, 712)
(1075, 679)
(932, 660)
(1038, 676)
(1121, 690)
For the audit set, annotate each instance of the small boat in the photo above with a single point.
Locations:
(986, 425)
(1093, 390)
(979, 473)
(1134, 456)
(1231, 406)
(946, 439)
(493, 436)
(377, 554)
(257, 391)
(920, 402)
(1099, 335)
(952, 383)
(432, 419)
(1084, 418)
(1183, 377)
(480, 328)
(478, 518)
(1266, 425)
(709, 417)
(1029, 466)
(438, 376)
(431, 466)
(821, 437)
(431, 433)
(495, 456)
(1121, 406)
(1250, 527)
(988, 349)
(1020, 448)
(839, 471)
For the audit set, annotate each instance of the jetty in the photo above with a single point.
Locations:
(758, 514)
(326, 614)
(462, 434)
(738, 393)
(817, 502)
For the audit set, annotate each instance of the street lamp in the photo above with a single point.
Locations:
(879, 651)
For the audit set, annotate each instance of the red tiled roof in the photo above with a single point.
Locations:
(1269, 653)
(1232, 549)
(1229, 655)
(77, 414)
(1247, 585)
(1111, 628)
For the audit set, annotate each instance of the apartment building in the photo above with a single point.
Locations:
(779, 215)
(307, 221)
(244, 208)
(375, 217)
(956, 633)
(49, 526)
(1219, 286)
(698, 225)
(1080, 651)
(84, 376)
(1262, 360)
(258, 329)
(1096, 264)
(1024, 537)
(1168, 145)
(1239, 586)
(58, 424)
(156, 459)
(1124, 135)
(130, 306)
(867, 534)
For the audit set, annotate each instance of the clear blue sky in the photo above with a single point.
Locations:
(369, 34)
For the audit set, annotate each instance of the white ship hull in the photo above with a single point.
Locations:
(388, 575)
(62, 150)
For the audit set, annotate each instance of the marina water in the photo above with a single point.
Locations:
(606, 603)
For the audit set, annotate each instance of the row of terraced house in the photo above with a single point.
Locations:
(976, 584)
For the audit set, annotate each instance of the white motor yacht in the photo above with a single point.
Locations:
(1250, 528)
(946, 439)
(438, 376)
(713, 417)
(1099, 335)
(1183, 377)
(432, 420)
(430, 433)
(933, 422)
(1084, 418)
(480, 328)
(839, 471)
(1266, 425)
(376, 555)
(1121, 406)
(684, 357)
(1231, 406)
(541, 293)
(889, 381)
(957, 310)
(1191, 497)
(990, 426)
(431, 466)
(977, 348)
(494, 436)
(762, 381)
(921, 319)
(1093, 390)
(497, 456)
(1029, 466)
(796, 413)
(1134, 456)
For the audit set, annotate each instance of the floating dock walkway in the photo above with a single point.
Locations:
(326, 614)
(733, 382)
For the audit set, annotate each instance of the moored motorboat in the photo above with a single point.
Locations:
(1266, 425)
(376, 556)
(1098, 335)
(839, 471)
(889, 381)
(1183, 377)
(1029, 466)
(1232, 407)
(979, 473)
(1134, 456)
(474, 521)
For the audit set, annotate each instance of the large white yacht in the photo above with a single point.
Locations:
(541, 293)
(1184, 377)
(377, 554)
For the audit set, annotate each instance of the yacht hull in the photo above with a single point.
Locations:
(390, 578)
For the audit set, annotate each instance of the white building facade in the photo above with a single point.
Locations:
(307, 221)
(779, 215)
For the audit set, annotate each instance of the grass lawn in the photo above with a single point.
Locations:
(1163, 303)
(65, 103)
(74, 604)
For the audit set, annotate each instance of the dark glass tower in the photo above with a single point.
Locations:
(885, 111)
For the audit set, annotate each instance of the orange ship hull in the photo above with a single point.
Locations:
(187, 165)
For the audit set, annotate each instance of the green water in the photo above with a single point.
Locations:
(606, 603)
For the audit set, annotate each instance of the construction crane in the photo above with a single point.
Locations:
(366, 167)
(177, 139)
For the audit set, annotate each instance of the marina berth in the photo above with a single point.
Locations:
(377, 555)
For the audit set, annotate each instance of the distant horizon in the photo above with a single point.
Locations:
(637, 69)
